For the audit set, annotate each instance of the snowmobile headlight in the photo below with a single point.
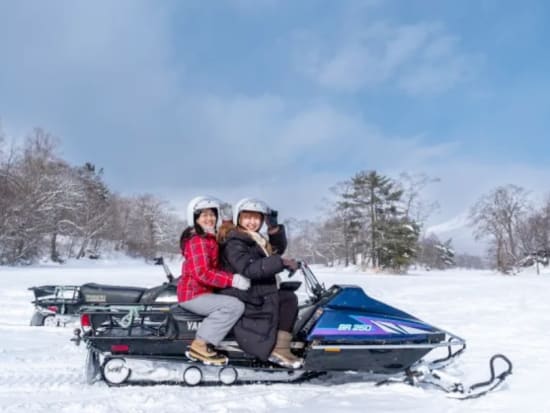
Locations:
(316, 315)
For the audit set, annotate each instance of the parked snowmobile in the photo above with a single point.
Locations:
(338, 329)
(58, 305)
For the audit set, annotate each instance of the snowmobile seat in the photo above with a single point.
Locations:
(180, 314)
(110, 294)
(290, 285)
(164, 293)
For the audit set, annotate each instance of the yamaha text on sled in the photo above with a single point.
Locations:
(338, 329)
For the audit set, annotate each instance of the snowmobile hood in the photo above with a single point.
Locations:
(352, 314)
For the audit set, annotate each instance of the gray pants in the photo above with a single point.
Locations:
(222, 313)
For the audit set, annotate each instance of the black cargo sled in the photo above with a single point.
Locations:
(338, 329)
(58, 305)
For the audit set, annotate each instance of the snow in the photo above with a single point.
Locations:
(42, 371)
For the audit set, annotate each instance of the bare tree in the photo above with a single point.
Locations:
(497, 216)
(118, 222)
(342, 226)
(29, 195)
(65, 195)
(152, 227)
(302, 240)
(417, 209)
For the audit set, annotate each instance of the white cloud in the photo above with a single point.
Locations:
(419, 58)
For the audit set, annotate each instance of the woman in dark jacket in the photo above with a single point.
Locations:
(265, 329)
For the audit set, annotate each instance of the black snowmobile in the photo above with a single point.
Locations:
(338, 329)
(58, 305)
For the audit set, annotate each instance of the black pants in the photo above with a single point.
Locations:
(288, 310)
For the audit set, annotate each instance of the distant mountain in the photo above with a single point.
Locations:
(458, 229)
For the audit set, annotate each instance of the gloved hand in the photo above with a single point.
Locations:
(240, 282)
(226, 212)
(271, 218)
(290, 264)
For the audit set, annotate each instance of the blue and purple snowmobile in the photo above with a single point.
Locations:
(338, 329)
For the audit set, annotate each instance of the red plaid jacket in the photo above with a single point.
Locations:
(200, 274)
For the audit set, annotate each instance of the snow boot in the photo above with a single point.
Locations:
(282, 355)
(200, 350)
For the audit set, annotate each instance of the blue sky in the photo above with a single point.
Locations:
(282, 99)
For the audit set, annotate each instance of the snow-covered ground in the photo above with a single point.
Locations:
(42, 371)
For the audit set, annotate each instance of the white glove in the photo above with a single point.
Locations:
(240, 282)
(278, 281)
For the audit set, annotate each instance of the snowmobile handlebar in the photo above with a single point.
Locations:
(292, 272)
(313, 286)
(169, 275)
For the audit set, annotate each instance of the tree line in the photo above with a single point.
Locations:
(375, 221)
(51, 208)
(516, 228)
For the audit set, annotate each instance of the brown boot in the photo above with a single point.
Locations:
(282, 355)
(200, 350)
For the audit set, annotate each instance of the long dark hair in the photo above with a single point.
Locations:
(196, 229)
(188, 233)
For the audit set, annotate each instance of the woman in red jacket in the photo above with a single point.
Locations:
(201, 276)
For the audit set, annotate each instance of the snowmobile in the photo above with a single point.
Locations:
(59, 305)
(338, 329)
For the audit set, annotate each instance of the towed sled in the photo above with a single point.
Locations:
(337, 329)
(58, 305)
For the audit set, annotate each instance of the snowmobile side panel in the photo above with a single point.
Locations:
(377, 361)
(339, 325)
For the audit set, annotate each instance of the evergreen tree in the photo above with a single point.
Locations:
(398, 246)
(375, 197)
(436, 254)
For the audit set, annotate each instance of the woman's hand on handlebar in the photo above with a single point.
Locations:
(291, 264)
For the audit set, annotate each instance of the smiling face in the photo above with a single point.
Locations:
(207, 219)
(251, 221)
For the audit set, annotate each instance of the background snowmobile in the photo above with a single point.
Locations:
(338, 329)
(57, 305)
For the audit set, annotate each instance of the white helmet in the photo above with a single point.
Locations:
(249, 204)
(201, 202)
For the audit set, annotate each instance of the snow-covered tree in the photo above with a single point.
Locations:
(498, 216)
(303, 240)
(29, 195)
(152, 227)
(436, 254)
(49, 206)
